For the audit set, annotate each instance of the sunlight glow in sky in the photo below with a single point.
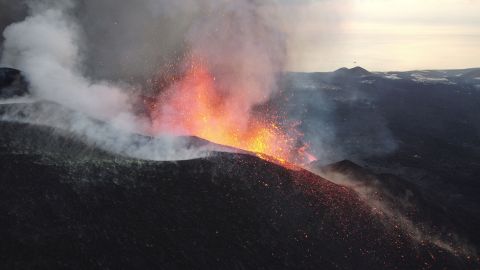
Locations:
(383, 35)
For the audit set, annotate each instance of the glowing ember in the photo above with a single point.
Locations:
(194, 106)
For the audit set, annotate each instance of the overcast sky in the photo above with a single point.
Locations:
(383, 35)
(380, 35)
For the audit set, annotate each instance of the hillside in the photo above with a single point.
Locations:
(228, 210)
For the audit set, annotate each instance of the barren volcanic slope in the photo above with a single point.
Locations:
(226, 211)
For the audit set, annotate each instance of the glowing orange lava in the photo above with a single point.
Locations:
(193, 106)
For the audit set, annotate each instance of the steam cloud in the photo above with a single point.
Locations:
(44, 47)
(95, 56)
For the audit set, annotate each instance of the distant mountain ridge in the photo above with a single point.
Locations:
(355, 72)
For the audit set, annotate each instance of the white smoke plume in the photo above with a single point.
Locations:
(45, 48)
(94, 56)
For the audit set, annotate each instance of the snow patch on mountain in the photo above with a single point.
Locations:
(418, 77)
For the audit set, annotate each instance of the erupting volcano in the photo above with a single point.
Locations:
(196, 106)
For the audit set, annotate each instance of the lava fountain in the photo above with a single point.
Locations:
(194, 106)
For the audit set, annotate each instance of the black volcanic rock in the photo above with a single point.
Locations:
(393, 192)
(226, 211)
(359, 174)
(12, 83)
(404, 201)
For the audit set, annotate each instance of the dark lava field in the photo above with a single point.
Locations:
(401, 194)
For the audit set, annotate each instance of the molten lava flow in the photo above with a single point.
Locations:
(193, 106)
